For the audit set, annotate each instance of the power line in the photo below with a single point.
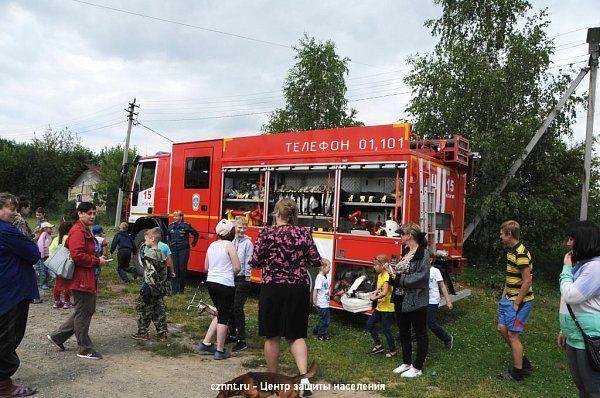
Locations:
(262, 112)
(210, 100)
(207, 118)
(221, 32)
(101, 127)
(564, 59)
(569, 47)
(569, 43)
(154, 131)
(571, 31)
(64, 122)
(379, 96)
(569, 64)
(184, 24)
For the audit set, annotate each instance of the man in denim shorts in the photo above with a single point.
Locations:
(517, 299)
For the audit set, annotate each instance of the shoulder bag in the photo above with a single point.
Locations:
(592, 344)
(61, 263)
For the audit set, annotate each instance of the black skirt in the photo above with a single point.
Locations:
(283, 310)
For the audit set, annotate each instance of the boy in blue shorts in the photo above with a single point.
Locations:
(517, 299)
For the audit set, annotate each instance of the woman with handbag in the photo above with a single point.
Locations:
(82, 247)
(580, 305)
(410, 278)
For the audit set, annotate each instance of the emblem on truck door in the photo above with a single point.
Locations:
(196, 201)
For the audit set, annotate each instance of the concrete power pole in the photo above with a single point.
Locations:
(593, 39)
(130, 115)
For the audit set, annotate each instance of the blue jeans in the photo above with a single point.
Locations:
(46, 274)
(124, 257)
(180, 259)
(322, 326)
(386, 319)
(433, 324)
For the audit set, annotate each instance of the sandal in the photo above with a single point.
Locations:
(20, 391)
(391, 354)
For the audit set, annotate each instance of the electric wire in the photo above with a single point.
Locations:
(569, 32)
(184, 24)
(138, 123)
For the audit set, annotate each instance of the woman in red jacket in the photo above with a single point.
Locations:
(81, 245)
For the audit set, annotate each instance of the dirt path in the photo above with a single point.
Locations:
(126, 370)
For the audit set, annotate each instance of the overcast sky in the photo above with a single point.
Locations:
(65, 63)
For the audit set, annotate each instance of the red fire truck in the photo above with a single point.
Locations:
(353, 187)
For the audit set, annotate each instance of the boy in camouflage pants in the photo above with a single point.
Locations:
(150, 305)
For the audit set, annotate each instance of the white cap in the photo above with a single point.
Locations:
(224, 227)
(46, 224)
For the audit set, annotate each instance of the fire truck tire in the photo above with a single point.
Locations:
(137, 258)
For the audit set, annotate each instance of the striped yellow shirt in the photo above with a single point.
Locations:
(517, 259)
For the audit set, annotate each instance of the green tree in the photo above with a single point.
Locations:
(44, 169)
(488, 80)
(110, 174)
(314, 91)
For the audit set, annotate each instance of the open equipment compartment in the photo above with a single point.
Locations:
(370, 194)
(244, 194)
(312, 188)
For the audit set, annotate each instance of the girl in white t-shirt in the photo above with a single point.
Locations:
(436, 283)
(222, 263)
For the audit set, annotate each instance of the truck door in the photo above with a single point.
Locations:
(142, 196)
(194, 198)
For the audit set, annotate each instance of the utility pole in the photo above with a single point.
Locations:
(130, 115)
(593, 40)
(483, 212)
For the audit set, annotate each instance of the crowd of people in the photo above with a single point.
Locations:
(408, 291)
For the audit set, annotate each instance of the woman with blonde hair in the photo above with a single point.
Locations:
(410, 277)
(178, 239)
(284, 252)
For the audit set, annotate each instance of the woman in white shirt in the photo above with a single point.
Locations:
(222, 263)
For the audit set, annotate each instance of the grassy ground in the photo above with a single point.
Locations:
(468, 370)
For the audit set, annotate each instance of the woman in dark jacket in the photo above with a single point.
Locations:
(82, 246)
(18, 289)
(410, 277)
(178, 239)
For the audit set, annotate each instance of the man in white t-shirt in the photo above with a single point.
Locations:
(321, 301)
(436, 283)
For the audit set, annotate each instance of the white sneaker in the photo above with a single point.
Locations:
(402, 368)
(412, 372)
(305, 387)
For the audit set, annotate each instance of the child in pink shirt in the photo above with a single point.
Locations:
(43, 243)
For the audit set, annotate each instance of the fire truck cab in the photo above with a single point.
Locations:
(353, 187)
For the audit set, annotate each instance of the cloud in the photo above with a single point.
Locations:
(64, 63)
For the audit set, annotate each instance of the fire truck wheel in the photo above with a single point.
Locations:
(137, 258)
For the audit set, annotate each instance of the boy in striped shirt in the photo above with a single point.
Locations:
(517, 298)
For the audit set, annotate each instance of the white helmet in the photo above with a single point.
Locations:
(391, 228)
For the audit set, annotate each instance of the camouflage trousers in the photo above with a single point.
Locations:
(155, 312)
